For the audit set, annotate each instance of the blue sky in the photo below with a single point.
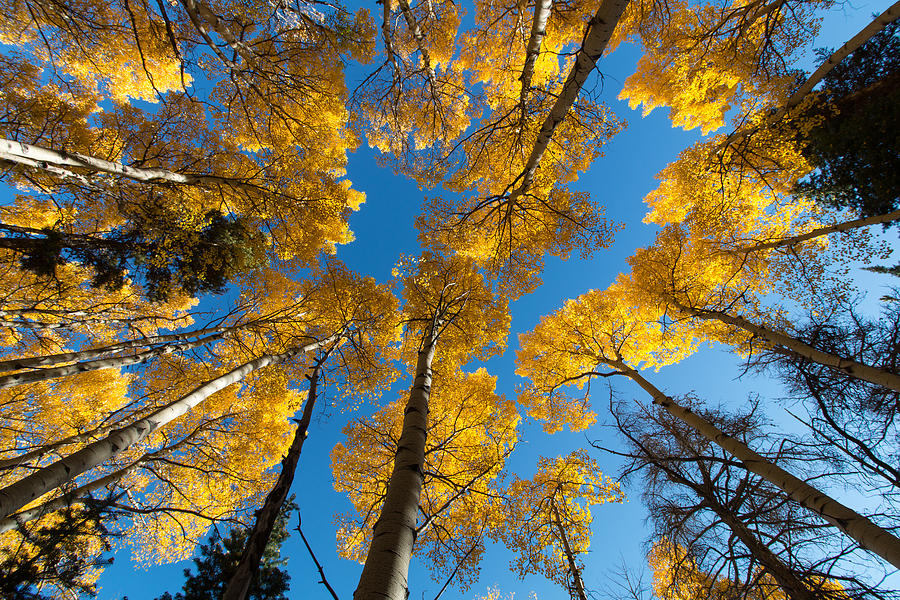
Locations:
(384, 230)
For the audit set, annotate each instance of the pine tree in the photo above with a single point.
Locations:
(219, 558)
(854, 147)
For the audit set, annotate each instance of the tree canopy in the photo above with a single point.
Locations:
(179, 278)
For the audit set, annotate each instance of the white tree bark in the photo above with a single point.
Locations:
(865, 34)
(384, 576)
(62, 501)
(81, 355)
(795, 346)
(821, 231)
(111, 362)
(46, 479)
(420, 40)
(60, 163)
(535, 39)
(600, 29)
(866, 533)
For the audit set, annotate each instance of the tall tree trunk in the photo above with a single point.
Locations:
(599, 32)
(866, 533)
(46, 479)
(22, 459)
(798, 348)
(81, 355)
(203, 17)
(783, 575)
(822, 231)
(80, 493)
(570, 556)
(384, 576)
(239, 585)
(417, 34)
(533, 50)
(112, 362)
(59, 162)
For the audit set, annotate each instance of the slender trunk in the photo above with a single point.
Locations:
(112, 362)
(48, 478)
(782, 574)
(384, 576)
(535, 39)
(866, 533)
(798, 348)
(22, 459)
(67, 499)
(202, 15)
(867, 32)
(600, 29)
(386, 36)
(821, 231)
(420, 39)
(80, 493)
(81, 355)
(239, 585)
(570, 556)
(58, 162)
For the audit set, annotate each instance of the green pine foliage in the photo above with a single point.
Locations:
(219, 558)
(854, 149)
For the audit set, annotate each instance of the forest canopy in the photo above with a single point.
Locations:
(184, 301)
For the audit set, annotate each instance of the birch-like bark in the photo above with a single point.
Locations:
(865, 34)
(420, 39)
(783, 575)
(535, 39)
(64, 500)
(599, 32)
(79, 494)
(46, 479)
(112, 362)
(202, 15)
(798, 348)
(82, 355)
(59, 162)
(384, 576)
(821, 231)
(386, 36)
(23, 459)
(570, 556)
(867, 534)
(239, 585)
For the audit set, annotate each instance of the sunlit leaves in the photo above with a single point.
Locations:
(549, 516)
(471, 432)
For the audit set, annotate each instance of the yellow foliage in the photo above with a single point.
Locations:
(557, 501)
(471, 431)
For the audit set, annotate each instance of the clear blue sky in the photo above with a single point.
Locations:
(384, 230)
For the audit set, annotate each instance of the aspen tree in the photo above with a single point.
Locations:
(596, 336)
(699, 499)
(446, 301)
(355, 362)
(239, 584)
(17, 495)
(548, 518)
(471, 432)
